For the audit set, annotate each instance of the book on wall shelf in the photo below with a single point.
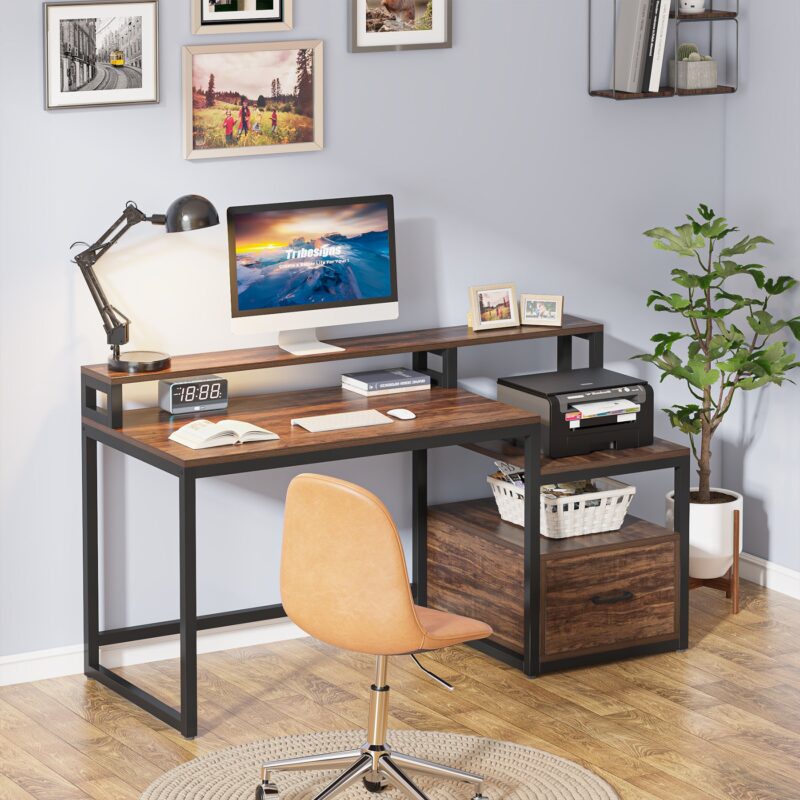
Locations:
(641, 39)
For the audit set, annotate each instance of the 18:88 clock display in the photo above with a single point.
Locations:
(189, 393)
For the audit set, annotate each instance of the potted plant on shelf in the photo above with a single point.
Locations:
(729, 342)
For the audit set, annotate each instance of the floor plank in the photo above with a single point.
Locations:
(718, 722)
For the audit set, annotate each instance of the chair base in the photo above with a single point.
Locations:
(374, 762)
(377, 765)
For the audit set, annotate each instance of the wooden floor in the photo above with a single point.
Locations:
(719, 721)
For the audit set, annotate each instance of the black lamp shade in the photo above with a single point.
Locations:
(191, 213)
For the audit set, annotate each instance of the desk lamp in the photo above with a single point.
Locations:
(188, 213)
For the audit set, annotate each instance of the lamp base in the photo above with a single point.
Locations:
(139, 361)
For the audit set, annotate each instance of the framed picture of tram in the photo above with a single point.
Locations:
(252, 99)
(241, 16)
(101, 54)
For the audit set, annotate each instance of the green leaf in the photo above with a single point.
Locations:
(687, 419)
(794, 326)
(681, 241)
(744, 246)
(705, 212)
(763, 323)
(779, 285)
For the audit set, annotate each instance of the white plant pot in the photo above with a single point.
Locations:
(710, 534)
(692, 6)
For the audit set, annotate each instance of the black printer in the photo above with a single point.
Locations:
(584, 410)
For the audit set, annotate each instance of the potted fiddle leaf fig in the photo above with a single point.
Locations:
(725, 340)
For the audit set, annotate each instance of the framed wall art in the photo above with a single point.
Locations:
(542, 309)
(241, 16)
(493, 306)
(100, 54)
(377, 25)
(252, 99)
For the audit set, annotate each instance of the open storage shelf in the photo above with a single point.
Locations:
(711, 15)
(480, 517)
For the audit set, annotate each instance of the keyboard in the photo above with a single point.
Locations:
(343, 422)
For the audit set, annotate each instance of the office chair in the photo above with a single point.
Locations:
(344, 581)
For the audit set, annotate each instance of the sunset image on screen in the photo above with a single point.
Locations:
(311, 256)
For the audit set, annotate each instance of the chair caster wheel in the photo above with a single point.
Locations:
(265, 790)
(375, 786)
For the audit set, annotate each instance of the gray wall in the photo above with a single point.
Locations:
(762, 172)
(503, 168)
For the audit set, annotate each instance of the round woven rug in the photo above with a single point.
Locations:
(513, 772)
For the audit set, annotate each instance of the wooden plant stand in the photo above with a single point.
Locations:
(728, 583)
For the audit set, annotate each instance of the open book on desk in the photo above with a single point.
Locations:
(203, 433)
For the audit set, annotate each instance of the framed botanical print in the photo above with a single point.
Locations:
(252, 99)
(101, 54)
(493, 306)
(400, 24)
(241, 16)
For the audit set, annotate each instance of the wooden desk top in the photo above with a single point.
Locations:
(439, 412)
(386, 344)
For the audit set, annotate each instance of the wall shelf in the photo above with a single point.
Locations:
(710, 16)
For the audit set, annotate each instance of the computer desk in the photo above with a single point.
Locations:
(445, 417)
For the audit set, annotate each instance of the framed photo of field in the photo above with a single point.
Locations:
(241, 16)
(100, 54)
(493, 306)
(377, 25)
(542, 309)
(252, 99)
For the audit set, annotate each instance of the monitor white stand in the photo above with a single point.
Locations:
(305, 343)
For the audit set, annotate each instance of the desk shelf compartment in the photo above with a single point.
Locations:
(601, 596)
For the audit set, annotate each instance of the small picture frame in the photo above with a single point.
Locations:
(381, 25)
(542, 309)
(252, 99)
(241, 16)
(493, 306)
(100, 54)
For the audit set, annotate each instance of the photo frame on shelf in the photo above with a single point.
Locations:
(241, 16)
(381, 25)
(542, 309)
(100, 54)
(253, 99)
(493, 306)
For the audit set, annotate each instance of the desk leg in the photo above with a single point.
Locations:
(532, 553)
(91, 568)
(564, 355)
(188, 621)
(419, 504)
(681, 498)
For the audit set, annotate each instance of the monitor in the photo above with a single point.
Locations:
(296, 267)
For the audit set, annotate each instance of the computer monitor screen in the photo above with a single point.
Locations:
(312, 256)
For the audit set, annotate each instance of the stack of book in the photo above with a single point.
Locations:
(386, 381)
(640, 45)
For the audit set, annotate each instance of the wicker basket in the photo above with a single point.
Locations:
(564, 517)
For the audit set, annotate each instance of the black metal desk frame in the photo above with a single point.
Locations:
(96, 429)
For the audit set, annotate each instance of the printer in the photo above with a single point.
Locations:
(584, 410)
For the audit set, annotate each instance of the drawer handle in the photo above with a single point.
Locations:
(610, 599)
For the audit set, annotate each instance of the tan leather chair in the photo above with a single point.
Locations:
(344, 581)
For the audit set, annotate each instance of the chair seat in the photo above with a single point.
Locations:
(443, 629)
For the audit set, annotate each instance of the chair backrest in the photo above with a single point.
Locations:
(343, 571)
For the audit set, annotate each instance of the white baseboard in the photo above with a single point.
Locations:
(773, 576)
(37, 666)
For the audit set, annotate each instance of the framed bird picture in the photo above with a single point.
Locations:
(379, 25)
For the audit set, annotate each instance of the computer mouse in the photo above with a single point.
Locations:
(402, 413)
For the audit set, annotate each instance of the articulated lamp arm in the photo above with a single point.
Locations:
(115, 323)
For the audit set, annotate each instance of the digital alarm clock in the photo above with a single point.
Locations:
(193, 395)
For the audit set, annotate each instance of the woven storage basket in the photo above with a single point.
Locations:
(564, 517)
